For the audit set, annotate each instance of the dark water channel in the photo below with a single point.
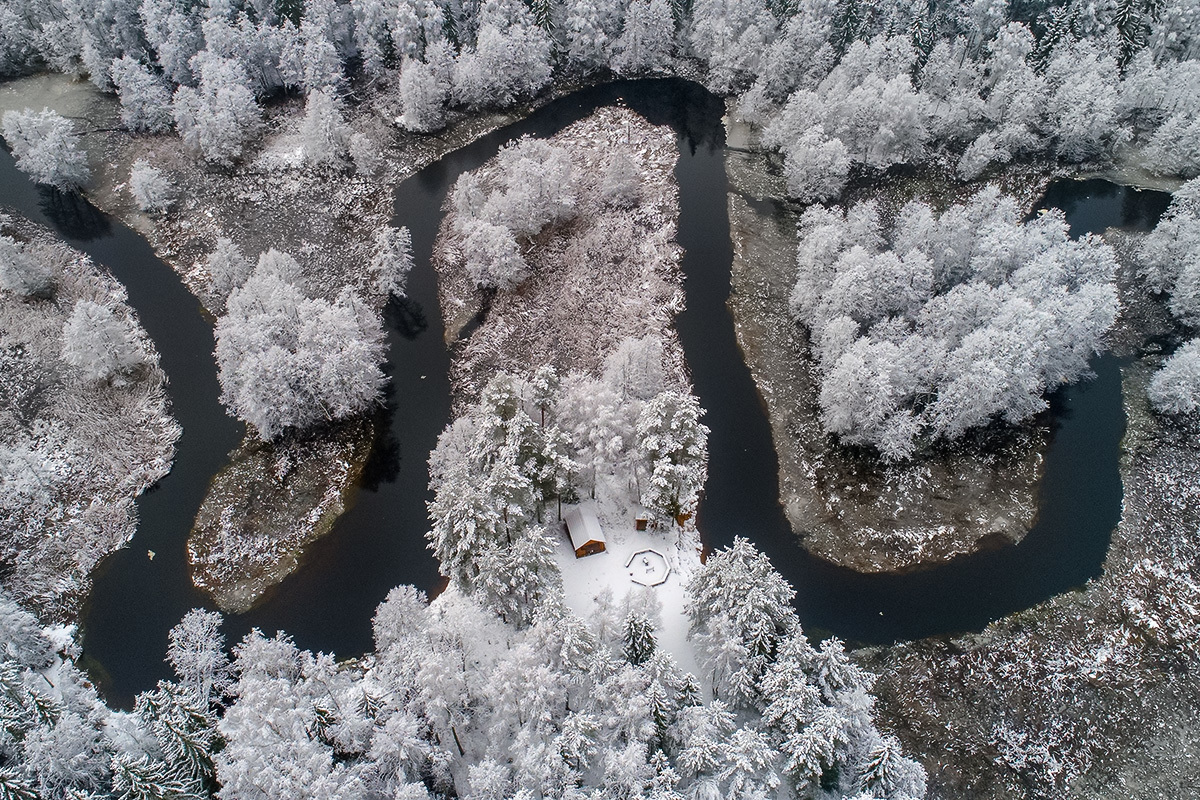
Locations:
(379, 543)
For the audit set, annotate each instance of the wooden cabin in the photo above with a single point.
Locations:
(587, 537)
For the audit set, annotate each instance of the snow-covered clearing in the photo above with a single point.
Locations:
(593, 583)
(74, 453)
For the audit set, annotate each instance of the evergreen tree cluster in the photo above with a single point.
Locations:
(501, 471)
(455, 702)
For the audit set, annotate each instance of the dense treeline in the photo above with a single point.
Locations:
(840, 83)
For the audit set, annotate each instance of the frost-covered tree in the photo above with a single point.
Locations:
(392, 260)
(647, 40)
(425, 89)
(673, 447)
(285, 734)
(622, 183)
(1173, 247)
(151, 189)
(145, 97)
(290, 362)
(492, 256)
(220, 117)
(887, 773)
(324, 134)
(537, 187)
(173, 32)
(99, 343)
(1083, 101)
(740, 611)
(731, 38)
(196, 652)
(492, 473)
(228, 267)
(510, 60)
(23, 273)
(515, 581)
(816, 166)
(1175, 389)
(45, 146)
(638, 639)
(587, 41)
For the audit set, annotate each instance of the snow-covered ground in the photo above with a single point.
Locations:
(604, 275)
(603, 578)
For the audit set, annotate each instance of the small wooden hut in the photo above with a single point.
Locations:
(587, 537)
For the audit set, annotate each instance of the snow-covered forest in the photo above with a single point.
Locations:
(946, 321)
(841, 86)
(456, 702)
(924, 323)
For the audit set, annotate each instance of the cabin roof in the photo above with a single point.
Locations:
(583, 526)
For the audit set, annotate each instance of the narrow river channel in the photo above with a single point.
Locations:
(379, 543)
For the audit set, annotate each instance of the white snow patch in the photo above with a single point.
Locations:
(585, 579)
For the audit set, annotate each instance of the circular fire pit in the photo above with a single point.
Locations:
(648, 568)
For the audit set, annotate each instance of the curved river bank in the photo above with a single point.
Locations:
(379, 543)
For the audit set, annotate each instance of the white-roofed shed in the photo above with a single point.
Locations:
(587, 537)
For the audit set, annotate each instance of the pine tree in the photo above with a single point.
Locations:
(15, 786)
(887, 773)
(673, 447)
(184, 730)
(144, 779)
(638, 638)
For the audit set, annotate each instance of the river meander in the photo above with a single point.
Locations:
(379, 542)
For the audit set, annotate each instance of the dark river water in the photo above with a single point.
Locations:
(379, 543)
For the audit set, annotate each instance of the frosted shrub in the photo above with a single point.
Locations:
(22, 273)
(100, 344)
(151, 189)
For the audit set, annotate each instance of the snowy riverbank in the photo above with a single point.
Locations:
(848, 509)
(74, 450)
